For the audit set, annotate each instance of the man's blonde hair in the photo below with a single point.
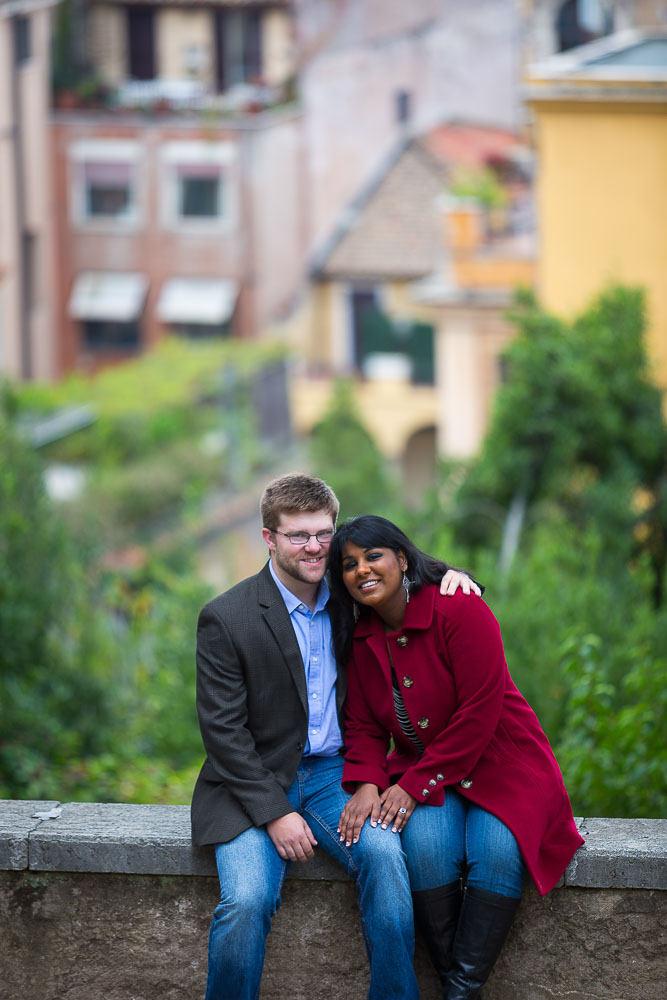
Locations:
(295, 493)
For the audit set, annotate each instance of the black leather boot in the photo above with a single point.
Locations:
(437, 916)
(485, 920)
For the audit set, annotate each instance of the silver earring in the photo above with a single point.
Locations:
(406, 587)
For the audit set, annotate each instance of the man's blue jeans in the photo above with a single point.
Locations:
(251, 878)
(460, 839)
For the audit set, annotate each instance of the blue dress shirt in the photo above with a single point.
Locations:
(313, 634)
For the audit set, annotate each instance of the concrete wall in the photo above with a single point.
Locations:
(111, 901)
(26, 209)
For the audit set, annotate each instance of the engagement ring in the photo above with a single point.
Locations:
(403, 810)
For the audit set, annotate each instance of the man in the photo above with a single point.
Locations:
(269, 698)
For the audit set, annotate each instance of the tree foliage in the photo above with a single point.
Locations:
(96, 666)
(612, 747)
(97, 663)
(53, 704)
(578, 425)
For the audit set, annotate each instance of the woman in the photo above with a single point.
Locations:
(471, 785)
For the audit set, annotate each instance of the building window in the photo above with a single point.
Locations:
(110, 335)
(199, 331)
(108, 190)
(582, 21)
(364, 308)
(238, 47)
(200, 193)
(108, 305)
(382, 343)
(141, 42)
(402, 106)
(198, 186)
(104, 182)
(22, 47)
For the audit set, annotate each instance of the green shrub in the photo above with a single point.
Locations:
(612, 748)
(175, 391)
(130, 502)
(577, 424)
(54, 702)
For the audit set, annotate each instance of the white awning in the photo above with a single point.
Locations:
(108, 295)
(209, 301)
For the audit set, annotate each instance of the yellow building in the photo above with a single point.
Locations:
(601, 134)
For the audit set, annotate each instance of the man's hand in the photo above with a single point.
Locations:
(364, 803)
(292, 837)
(452, 580)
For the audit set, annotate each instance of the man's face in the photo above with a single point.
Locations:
(305, 563)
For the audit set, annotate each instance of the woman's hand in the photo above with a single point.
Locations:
(397, 806)
(364, 803)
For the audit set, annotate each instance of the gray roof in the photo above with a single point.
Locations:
(649, 52)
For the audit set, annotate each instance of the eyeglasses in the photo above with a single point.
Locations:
(302, 537)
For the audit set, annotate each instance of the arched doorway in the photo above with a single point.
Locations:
(418, 465)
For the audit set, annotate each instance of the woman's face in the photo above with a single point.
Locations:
(374, 577)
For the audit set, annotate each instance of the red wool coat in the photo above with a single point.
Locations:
(480, 734)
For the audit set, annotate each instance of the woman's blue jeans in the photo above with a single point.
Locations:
(252, 874)
(461, 840)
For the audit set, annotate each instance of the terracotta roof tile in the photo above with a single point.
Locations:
(470, 145)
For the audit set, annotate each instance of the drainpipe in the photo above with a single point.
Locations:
(19, 181)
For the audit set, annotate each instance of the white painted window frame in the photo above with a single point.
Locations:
(123, 151)
(198, 153)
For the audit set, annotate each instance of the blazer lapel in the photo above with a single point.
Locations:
(277, 618)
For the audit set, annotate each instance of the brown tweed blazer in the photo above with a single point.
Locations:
(253, 710)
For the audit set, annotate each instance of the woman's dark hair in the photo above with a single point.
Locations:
(369, 531)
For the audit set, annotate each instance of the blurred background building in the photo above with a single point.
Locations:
(28, 326)
(352, 176)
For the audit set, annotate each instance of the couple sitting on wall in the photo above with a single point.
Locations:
(303, 681)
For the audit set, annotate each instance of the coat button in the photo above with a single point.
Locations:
(424, 791)
(402, 640)
(440, 777)
(433, 782)
(423, 723)
(408, 682)
(299, 746)
(466, 783)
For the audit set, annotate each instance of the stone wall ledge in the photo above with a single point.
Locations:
(107, 900)
(155, 840)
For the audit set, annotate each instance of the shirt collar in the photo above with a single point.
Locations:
(292, 602)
